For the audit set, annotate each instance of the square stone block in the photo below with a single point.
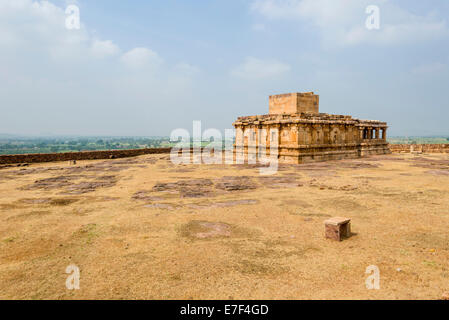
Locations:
(337, 228)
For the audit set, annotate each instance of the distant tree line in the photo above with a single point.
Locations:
(55, 145)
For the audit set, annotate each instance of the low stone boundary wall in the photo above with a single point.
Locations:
(425, 148)
(83, 155)
(110, 154)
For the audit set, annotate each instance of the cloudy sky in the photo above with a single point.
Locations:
(148, 67)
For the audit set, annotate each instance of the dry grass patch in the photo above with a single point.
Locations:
(205, 230)
(87, 233)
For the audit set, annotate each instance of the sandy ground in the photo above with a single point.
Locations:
(143, 228)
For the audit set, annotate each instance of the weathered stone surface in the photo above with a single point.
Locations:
(52, 183)
(67, 182)
(294, 103)
(145, 196)
(279, 182)
(193, 188)
(90, 186)
(337, 228)
(235, 183)
(83, 155)
(223, 204)
(419, 148)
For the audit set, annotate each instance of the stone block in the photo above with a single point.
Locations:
(294, 103)
(337, 228)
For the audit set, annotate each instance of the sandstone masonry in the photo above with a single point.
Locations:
(302, 134)
(424, 148)
(83, 155)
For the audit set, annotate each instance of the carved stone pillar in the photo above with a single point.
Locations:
(294, 135)
(343, 133)
(315, 130)
(239, 136)
(310, 134)
(326, 133)
(259, 138)
(275, 134)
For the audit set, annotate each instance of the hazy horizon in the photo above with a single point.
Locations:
(74, 136)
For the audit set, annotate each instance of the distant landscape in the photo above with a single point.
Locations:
(26, 145)
(419, 140)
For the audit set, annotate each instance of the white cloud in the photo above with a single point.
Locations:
(141, 57)
(39, 26)
(342, 23)
(254, 68)
(103, 49)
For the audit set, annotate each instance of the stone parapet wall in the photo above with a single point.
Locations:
(316, 153)
(425, 148)
(83, 155)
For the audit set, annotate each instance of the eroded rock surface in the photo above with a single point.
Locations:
(231, 183)
(193, 188)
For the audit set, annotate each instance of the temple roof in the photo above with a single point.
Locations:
(305, 118)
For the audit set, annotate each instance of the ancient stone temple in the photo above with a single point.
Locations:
(303, 134)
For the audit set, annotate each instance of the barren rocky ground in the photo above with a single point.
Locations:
(144, 228)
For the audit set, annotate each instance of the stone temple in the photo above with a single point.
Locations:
(303, 134)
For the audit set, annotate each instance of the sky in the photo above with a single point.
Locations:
(145, 68)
